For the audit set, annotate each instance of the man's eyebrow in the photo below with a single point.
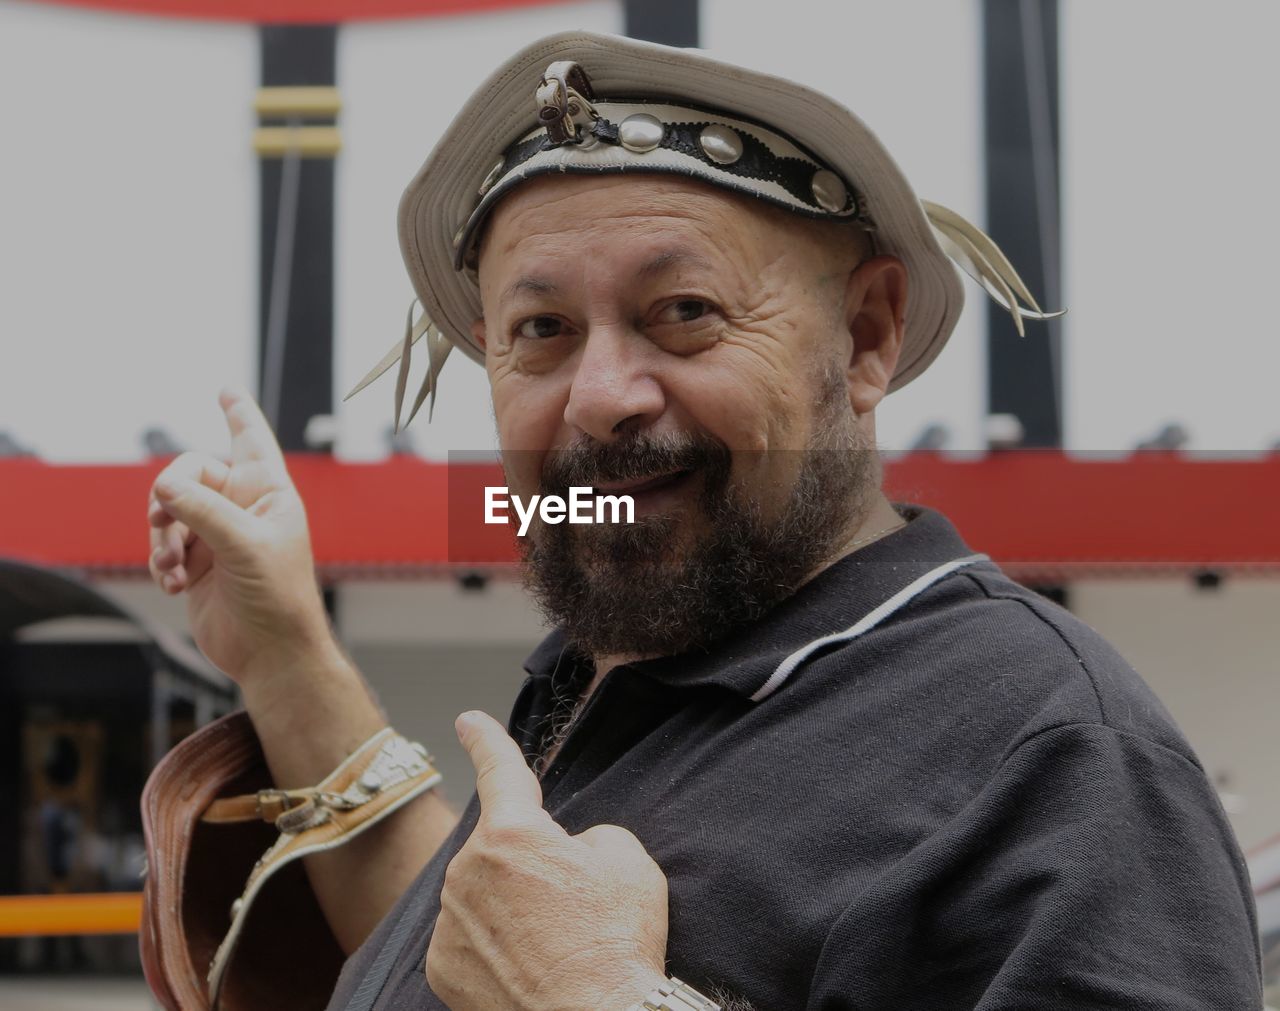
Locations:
(655, 265)
(669, 258)
(534, 285)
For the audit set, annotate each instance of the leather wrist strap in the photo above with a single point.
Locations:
(381, 776)
(673, 995)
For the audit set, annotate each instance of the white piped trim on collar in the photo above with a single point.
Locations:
(788, 666)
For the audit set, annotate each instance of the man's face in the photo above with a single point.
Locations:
(659, 337)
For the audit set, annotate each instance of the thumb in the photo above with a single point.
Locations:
(218, 521)
(504, 782)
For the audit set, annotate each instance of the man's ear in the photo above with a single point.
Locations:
(477, 331)
(875, 315)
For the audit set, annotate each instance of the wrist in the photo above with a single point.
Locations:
(320, 673)
(311, 709)
(304, 654)
(630, 989)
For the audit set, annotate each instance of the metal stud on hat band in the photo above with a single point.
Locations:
(829, 191)
(640, 132)
(721, 144)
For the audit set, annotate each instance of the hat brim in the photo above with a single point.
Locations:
(440, 199)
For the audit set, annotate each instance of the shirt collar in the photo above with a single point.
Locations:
(840, 596)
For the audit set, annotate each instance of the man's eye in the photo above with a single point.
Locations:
(539, 328)
(685, 311)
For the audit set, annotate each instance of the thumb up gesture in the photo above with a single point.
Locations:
(532, 917)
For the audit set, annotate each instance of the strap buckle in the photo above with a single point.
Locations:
(272, 803)
(564, 102)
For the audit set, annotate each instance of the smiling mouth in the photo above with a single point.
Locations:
(640, 486)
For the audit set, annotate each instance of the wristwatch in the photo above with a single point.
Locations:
(674, 995)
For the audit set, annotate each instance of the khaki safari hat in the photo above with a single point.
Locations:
(595, 104)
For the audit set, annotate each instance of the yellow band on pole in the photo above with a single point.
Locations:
(91, 913)
(308, 141)
(318, 102)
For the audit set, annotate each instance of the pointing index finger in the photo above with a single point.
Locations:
(251, 434)
(504, 782)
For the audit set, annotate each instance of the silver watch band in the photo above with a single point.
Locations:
(673, 995)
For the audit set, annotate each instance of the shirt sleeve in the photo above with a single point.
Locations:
(1094, 870)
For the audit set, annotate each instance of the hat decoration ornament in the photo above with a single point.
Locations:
(438, 348)
(977, 255)
(577, 131)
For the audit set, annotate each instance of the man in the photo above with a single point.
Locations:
(790, 743)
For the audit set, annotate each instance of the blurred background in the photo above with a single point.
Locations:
(175, 214)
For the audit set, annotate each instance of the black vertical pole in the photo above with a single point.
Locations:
(671, 22)
(1024, 214)
(298, 55)
(1022, 156)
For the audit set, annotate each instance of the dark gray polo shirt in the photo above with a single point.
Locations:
(913, 785)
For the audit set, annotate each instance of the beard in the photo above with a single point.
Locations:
(640, 588)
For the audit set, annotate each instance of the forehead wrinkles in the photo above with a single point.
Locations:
(619, 228)
(577, 210)
(643, 253)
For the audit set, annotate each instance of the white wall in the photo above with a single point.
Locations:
(1170, 166)
(128, 214)
(128, 227)
(912, 70)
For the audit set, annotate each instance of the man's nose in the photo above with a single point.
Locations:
(614, 388)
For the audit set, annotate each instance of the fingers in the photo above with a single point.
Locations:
(611, 837)
(251, 435)
(203, 511)
(505, 784)
(170, 539)
(620, 848)
(169, 546)
(179, 570)
(157, 517)
(207, 470)
(199, 561)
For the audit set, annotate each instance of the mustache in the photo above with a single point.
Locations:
(589, 462)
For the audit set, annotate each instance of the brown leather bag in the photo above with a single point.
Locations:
(213, 821)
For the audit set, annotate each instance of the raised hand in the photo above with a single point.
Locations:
(233, 535)
(532, 917)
